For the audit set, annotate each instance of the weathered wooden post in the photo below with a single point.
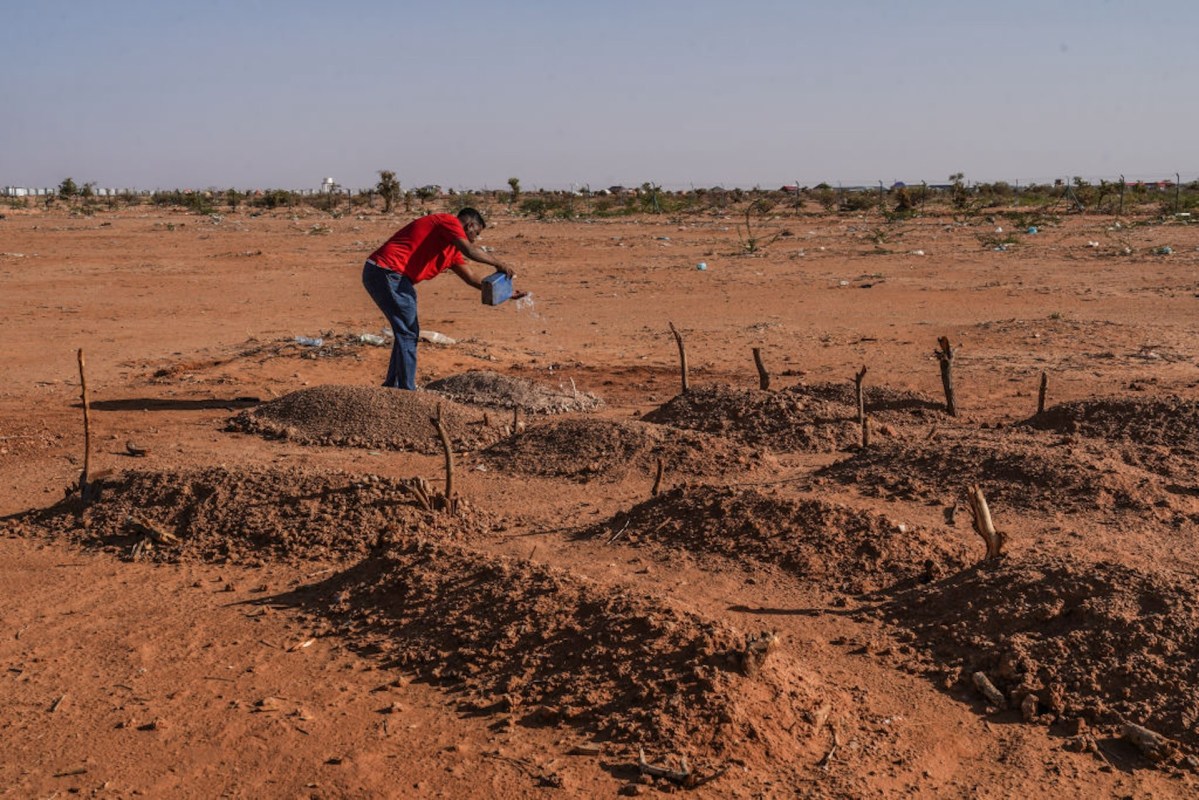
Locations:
(678, 338)
(945, 356)
(448, 503)
(763, 376)
(860, 396)
(657, 487)
(983, 525)
(87, 429)
(1041, 393)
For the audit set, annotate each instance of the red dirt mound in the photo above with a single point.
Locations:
(482, 388)
(834, 546)
(243, 516)
(361, 416)
(533, 645)
(1159, 433)
(1017, 472)
(1093, 640)
(585, 449)
(782, 421)
(896, 406)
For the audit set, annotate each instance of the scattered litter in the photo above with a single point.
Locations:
(999, 230)
(433, 337)
(1164, 250)
(701, 266)
(372, 338)
(1001, 248)
(1092, 244)
(1032, 229)
(310, 341)
(917, 252)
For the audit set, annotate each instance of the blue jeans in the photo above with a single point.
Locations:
(395, 296)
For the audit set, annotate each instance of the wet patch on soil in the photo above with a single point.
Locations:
(369, 417)
(833, 546)
(243, 516)
(1098, 640)
(493, 390)
(587, 449)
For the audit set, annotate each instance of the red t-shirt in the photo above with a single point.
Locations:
(424, 248)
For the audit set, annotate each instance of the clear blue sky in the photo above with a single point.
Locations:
(258, 93)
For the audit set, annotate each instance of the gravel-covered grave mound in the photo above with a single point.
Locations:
(483, 388)
(372, 417)
(783, 421)
(586, 449)
(1098, 641)
(535, 645)
(1019, 473)
(244, 516)
(836, 547)
(1147, 430)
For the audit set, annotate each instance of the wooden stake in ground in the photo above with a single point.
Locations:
(448, 502)
(983, 525)
(945, 356)
(87, 429)
(1041, 393)
(860, 395)
(763, 376)
(678, 338)
(657, 481)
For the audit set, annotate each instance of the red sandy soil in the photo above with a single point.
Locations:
(256, 602)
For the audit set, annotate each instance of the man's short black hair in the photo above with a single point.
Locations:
(470, 215)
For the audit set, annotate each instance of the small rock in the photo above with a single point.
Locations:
(268, 704)
(632, 790)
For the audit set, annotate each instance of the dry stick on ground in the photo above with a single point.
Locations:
(678, 338)
(763, 376)
(983, 525)
(1153, 745)
(420, 490)
(988, 690)
(87, 430)
(1041, 393)
(653, 492)
(945, 356)
(680, 776)
(447, 502)
(515, 420)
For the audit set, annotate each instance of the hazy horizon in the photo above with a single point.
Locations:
(244, 95)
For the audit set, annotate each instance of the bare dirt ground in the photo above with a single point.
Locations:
(256, 602)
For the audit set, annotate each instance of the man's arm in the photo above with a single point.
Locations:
(467, 274)
(478, 254)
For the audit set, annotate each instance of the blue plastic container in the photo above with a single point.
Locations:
(496, 289)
